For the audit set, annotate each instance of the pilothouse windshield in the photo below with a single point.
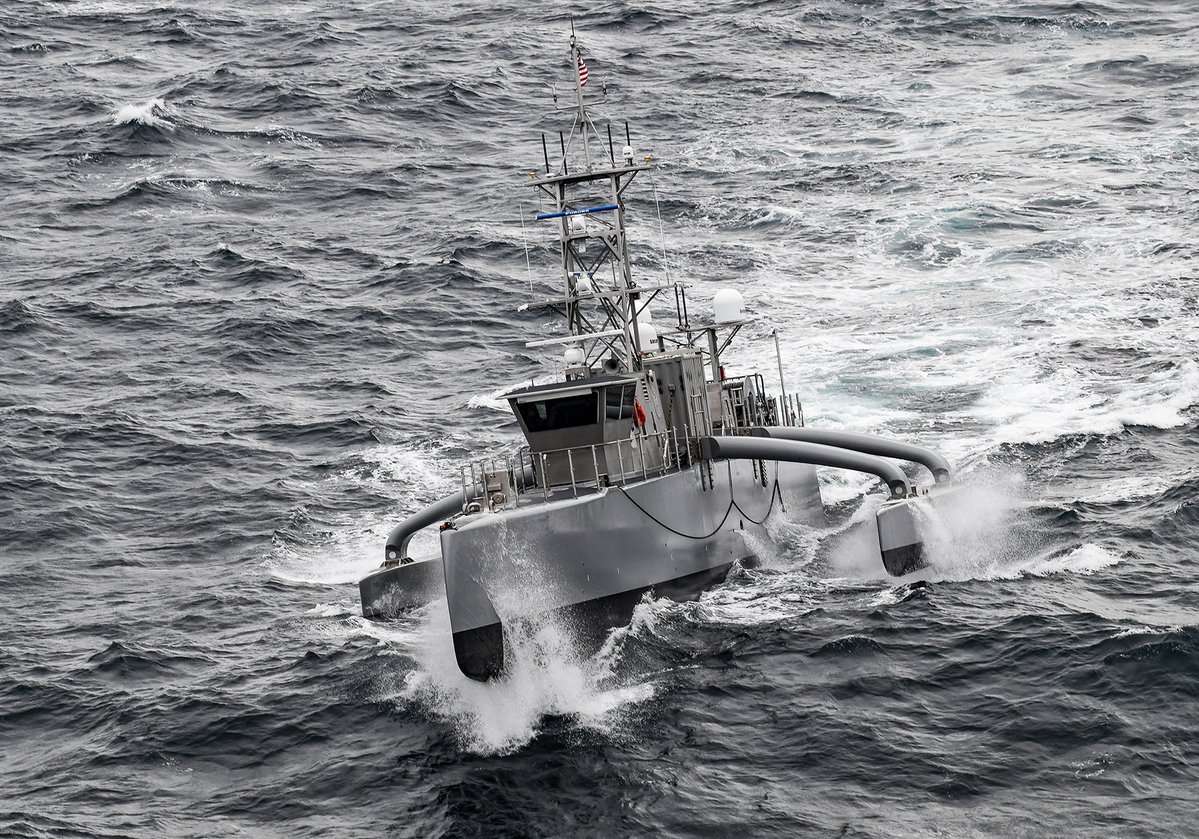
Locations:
(564, 412)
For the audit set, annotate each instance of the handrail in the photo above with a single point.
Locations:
(396, 550)
(532, 465)
(528, 469)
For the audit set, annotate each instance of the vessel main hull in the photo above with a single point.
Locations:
(593, 557)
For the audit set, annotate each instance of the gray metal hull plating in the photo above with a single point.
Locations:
(388, 591)
(606, 548)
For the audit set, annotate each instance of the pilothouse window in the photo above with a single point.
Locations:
(619, 402)
(567, 412)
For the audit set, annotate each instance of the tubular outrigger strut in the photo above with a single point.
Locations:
(792, 451)
(865, 443)
(899, 539)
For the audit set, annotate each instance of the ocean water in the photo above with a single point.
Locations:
(261, 269)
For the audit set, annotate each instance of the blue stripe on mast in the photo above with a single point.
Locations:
(607, 208)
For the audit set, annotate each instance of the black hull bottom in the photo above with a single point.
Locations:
(900, 561)
(480, 652)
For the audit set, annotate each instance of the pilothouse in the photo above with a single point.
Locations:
(645, 467)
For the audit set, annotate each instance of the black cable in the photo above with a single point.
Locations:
(661, 523)
(776, 493)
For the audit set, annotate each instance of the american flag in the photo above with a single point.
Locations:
(582, 71)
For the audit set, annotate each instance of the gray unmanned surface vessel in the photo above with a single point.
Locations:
(645, 468)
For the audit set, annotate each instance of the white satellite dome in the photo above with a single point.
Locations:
(728, 306)
(647, 335)
(573, 356)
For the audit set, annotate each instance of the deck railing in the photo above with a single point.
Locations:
(587, 467)
(500, 479)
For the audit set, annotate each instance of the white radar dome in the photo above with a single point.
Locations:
(728, 306)
(583, 285)
(573, 356)
(647, 335)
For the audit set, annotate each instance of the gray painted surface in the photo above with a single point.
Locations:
(440, 510)
(568, 550)
(402, 533)
(760, 448)
(901, 534)
(565, 552)
(897, 527)
(386, 592)
(865, 443)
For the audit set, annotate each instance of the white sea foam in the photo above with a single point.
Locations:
(644, 622)
(495, 399)
(544, 678)
(887, 597)
(342, 557)
(1086, 559)
(353, 546)
(986, 533)
(545, 674)
(407, 466)
(1033, 403)
(766, 602)
(329, 610)
(974, 532)
(980, 531)
(1134, 487)
(150, 113)
(335, 623)
(1132, 631)
(400, 636)
(852, 548)
(1030, 347)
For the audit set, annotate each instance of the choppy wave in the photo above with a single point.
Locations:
(546, 682)
(151, 113)
(263, 284)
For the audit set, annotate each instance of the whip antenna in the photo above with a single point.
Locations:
(524, 239)
(661, 229)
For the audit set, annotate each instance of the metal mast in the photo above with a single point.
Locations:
(601, 300)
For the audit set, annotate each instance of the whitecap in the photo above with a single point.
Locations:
(495, 401)
(544, 677)
(353, 547)
(1032, 404)
(329, 610)
(984, 531)
(149, 113)
(1131, 631)
(1111, 490)
(1085, 559)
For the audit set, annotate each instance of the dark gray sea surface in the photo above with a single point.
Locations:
(261, 275)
